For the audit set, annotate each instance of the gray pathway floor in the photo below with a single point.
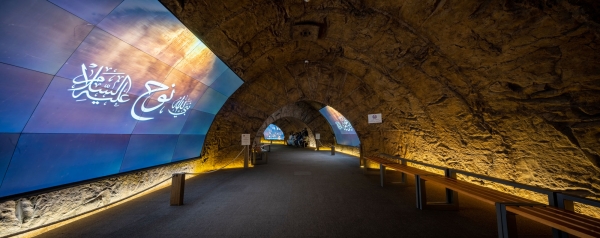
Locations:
(299, 193)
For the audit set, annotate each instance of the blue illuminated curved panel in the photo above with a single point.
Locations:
(20, 93)
(38, 35)
(91, 11)
(273, 132)
(343, 130)
(97, 88)
(47, 160)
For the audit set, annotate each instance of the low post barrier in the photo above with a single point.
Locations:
(451, 195)
(246, 156)
(360, 155)
(177, 189)
(178, 181)
(333, 150)
(317, 144)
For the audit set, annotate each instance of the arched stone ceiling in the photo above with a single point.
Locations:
(507, 88)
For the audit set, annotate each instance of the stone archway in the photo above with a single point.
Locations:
(289, 125)
(295, 117)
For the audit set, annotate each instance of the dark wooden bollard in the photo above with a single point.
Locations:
(177, 188)
(332, 150)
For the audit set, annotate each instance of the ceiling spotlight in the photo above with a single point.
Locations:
(306, 61)
(306, 0)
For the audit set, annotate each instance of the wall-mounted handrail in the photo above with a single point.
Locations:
(565, 201)
(458, 171)
(412, 161)
(555, 198)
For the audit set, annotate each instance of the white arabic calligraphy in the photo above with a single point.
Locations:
(98, 84)
(106, 85)
(161, 99)
(180, 106)
(345, 125)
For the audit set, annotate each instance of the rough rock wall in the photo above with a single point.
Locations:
(351, 150)
(503, 88)
(31, 212)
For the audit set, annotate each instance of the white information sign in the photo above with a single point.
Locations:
(375, 118)
(317, 136)
(245, 139)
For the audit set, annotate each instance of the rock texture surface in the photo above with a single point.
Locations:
(505, 88)
(34, 211)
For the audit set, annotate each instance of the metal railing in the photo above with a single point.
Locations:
(555, 198)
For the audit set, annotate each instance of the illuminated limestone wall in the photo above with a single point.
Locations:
(17, 215)
(503, 88)
(47, 208)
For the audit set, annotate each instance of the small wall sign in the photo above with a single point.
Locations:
(245, 139)
(375, 118)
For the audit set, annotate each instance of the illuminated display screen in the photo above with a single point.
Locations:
(343, 130)
(96, 88)
(273, 132)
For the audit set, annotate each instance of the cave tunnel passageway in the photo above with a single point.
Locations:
(508, 89)
(300, 192)
(317, 118)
